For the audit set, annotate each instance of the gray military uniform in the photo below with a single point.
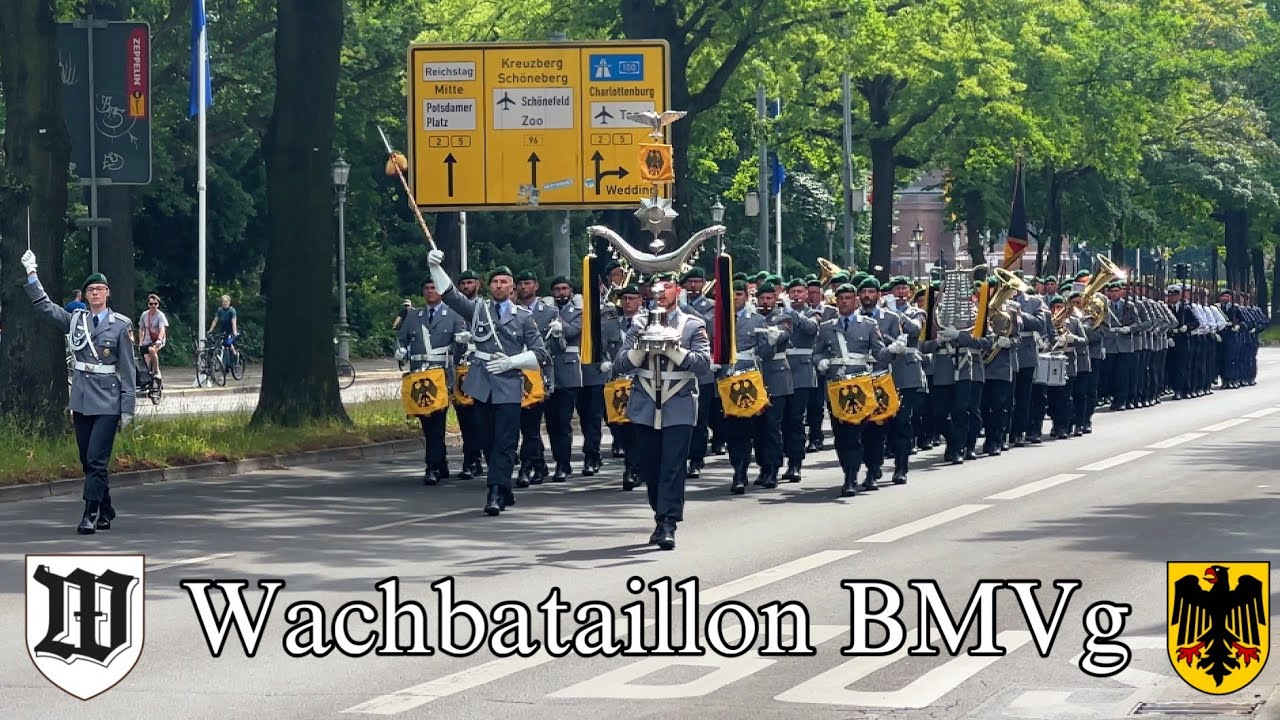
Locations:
(676, 386)
(104, 377)
(428, 339)
(495, 335)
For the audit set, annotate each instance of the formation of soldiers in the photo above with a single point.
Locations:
(954, 386)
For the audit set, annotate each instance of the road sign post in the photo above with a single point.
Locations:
(520, 126)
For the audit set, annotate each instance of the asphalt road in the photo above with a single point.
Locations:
(1184, 481)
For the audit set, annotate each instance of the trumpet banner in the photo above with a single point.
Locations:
(927, 328)
(425, 392)
(743, 395)
(535, 388)
(459, 397)
(886, 396)
(724, 351)
(852, 399)
(980, 321)
(617, 394)
(589, 345)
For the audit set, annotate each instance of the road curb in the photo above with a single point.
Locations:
(380, 376)
(205, 471)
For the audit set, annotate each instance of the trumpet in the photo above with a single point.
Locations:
(1003, 323)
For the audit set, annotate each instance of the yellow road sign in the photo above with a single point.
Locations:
(517, 126)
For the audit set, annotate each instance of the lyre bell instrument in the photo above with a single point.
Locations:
(954, 308)
(1003, 323)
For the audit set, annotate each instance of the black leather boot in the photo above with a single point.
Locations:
(89, 521)
(499, 499)
(523, 479)
(430, 477)
(739, 485)
(769, 478)
(106, 514)
(667, 536)
(590, 466)
(656, 535)
(693, 472)
(850, 488)
(629, 481)
(900, 472)
(562, 472)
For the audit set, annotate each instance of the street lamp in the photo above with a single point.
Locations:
(829, 224)
(717, 212)
(917, 239)
(341, 172)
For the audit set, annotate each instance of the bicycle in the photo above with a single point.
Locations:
(346, 371)
(209, 367)
(233, 358)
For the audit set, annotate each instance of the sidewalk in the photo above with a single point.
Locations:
(179, 380)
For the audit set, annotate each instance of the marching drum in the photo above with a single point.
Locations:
(535, 388)
(460, 398)
(1051, 370)
(886, 397)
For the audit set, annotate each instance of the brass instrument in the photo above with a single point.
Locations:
(1001, 321)
(614, 296)
(826, 271)
(1094, 303)
(955, 308)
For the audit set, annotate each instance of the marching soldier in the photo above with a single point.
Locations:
(1035, 322)
(875, 436)
(1097, 354)
(429, 338)
(507, 343)
(909, 377)
(709, 410)
(1123, 323)
(997, 383)
(818, 397)
(472, 465)
(755, 341)
(846, 346)
(779, 324)
(103, 384)
(1229, 349)
(663, 407)
(1072, 343)
(804, 380)
(567, 365)
(612, 331)
(590, 404)
(533, 461)
(1178, 360)
(957, 378)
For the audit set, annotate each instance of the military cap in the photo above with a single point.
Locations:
(1083, 274)
(795, 283)
(1050, 279)
(762, 275)
(695, 272)
(936, 284)
(900, 280)
(631, 290)
(611, 266)
(739, 285)
(869, 283)
(408, 303)
(739, 276)
(1172, 289)
(1225, 291)
(846, 288)
(1056, 300)
(766, 287)
(919, 292)
(886, 286)
(95, 279)
(812, 281)
(526, 275)
(500, 270)
(560, 280)
(468, 275)
(1074, 294)
(858, 277)
(839, 278)
(663, 276)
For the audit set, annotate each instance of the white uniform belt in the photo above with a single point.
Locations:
(94, 368)
(946, 351)
(432, 355)
(1027, 333)
(746, 354)
(667, 375)
(571, 349)
(800, 351)
(850, 359)
(482, 355)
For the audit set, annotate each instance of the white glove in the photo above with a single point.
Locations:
(556, 328)
(29, 262)
(462, 337)
(715, 368)
(1217, 337)
(636, 357)
(1012, 304)
(676, 355)
(948, 333)
(438, 275)
(823, 364)
(606, 367)
(1124, 330)
(1182, 329)
(125, 419)
(897, 347)
(498, 365)
(1235, 326)
(401, 354)
(1003, 342)
(773, 334)
(1068, 340)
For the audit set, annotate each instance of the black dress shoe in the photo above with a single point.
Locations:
(616, 451)
(970, 454)
(465, 474)
(523, 479)
(656, 535)
(430, 478)
(667, 536)
(561, 474)
(89, 521)
(629, 479)
(869, 484)
(850, 488)
(591, 466)
(769, 479)
(442, 471)
(692, 471)
(900, 476)
(739, 485)
(493, 502)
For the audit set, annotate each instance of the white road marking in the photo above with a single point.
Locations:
(1176, 440)
(1041, 698)
(1262, 413)
(1225, 424)
(925, 523)
(831, 687)
(188, 561)
(423, 693)
(1120, 459)
(420, 518)
(1034, 487)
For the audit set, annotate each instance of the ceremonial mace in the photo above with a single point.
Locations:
(397, 164)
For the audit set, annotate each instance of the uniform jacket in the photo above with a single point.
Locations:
(107, 348)
(704, 308)
(1035, 321)
(1123, 315)
(679, 384)
(804, 333)
(491, 333)
(1078, 352)
(544, 311)
(429, 339)
(1005, 363)
(568, 362)
(592, 375)
(862, 341)
(959, 359)
(777, 369)
(753, 349)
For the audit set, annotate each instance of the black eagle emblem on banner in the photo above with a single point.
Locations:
(852, 400)
(621, 396)
(424, 392)
(743, 393)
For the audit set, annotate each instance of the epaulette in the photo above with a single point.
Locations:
(122, 318)
(521, 309)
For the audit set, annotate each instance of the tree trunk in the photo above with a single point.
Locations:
(975, 219)
(1235, 223)
(115, 249)
(37, 151)
(1275, 276)
(1259, 279)
(1053, 259)
(298, 380)
(882, 187)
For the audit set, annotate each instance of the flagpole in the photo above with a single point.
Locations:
(777, 222)
(200, 181)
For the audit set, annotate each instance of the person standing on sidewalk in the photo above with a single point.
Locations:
(102, 384)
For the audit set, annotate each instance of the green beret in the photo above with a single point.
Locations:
(95, 279)
(739, 285)
(613, 264)
(1074, 294)
(1056, 300)
(662, 277)
(500, 270)
(812, 281)
(631, 290)
(795, 283)
(739, 276)
(840, 278)
(762, 276)
(1050, 279)
(936, 284)
(1083, 274)
(695, 272)
(467, 275)
(526, 275)
(858, 277)
(766, 287)
(869, 284)
(560, 280)
(919, 292)
(1032, 280)
(846, 288)
(886, 287)
(900, 280)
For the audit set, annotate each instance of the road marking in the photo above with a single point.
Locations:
(1120, 459)
(1225, 424)
(925, 523)
(1041, 698)
(1262, 413)
(1176, 440)
(423, 693)
(420, 518)
(1034, 487)
(188, 561)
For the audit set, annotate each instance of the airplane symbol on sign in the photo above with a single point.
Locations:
(506, 102)
(604, 116)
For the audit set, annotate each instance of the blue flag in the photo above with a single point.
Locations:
(777, 173)
(198, 29)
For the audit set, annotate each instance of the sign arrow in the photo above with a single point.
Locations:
(533, 169)
(450, 160)
(620, 173)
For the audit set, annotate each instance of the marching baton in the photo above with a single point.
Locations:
(392, 161)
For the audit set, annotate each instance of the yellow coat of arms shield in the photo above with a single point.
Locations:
(535, 388)
(425, 392)
(743, 394)
(852, 399)
(1219, 617)
(617, 395)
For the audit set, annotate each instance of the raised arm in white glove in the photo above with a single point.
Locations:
(773, 334)
(555, 327)
(462, 337)
(438, 275)
(29, 262)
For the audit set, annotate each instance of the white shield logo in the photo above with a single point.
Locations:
(85, 621)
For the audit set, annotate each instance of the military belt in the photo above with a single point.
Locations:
(94, 368)
(666, 375)
(800, 351)
(850, 359)
(433, 355)
(746, 354)
(483, 355)
(571, 349)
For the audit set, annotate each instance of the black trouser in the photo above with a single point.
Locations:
(1122, 379)
(95, 436)
(966, 398)
(433, 438)
(1059, 397)
(1020, 420)
(702, 431)
(590, 416)
(924, 416)
(715, 420)
(1107, 382)
(814, 410)
(498, 427)
(471, 446)
(901, 428)
(848, 441)
(1039, 404)
(663, 455)
(793, 430)
(940, 410)
(1080, 399)
(975, 414)
(873, 439)
(995, 412)
(560, 408)
(531, 448)
(1091, 399)
(1146, 375)
(764, 431)
(624, 438)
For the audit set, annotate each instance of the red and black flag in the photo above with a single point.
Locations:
(723, 350)
(1015, 244)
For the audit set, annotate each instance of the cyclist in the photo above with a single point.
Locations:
(153, 329)
(224, 318)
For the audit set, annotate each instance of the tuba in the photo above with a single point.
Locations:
(826, 271)
(955, 308)
(1094, 304)
(1003, 323)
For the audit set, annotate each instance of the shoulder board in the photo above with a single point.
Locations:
(122, 318)
(522, 309)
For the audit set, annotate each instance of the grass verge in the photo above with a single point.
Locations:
(1271, 335)
(151, 444)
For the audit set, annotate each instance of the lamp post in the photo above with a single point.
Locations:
(829, 224)
(717, 212)
(917, 239)
(341, 172)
